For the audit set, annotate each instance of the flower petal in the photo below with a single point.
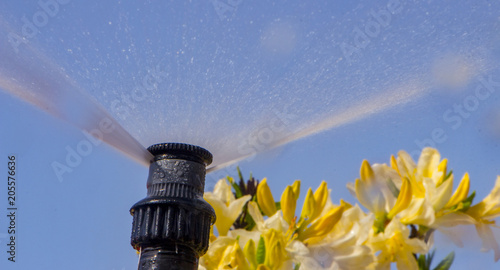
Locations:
(288, 204)
(489, 207)
(428, 162)
(461, 193)
(404, 199)
(253, 210)
(265, 198)
(296, 189)
(442, 193)
(225, 215)
(489, 241)
(320, 197)
(323, 225)
(366, 171)
(419, 212)
(308, 207)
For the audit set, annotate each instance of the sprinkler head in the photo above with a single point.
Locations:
(171, 226)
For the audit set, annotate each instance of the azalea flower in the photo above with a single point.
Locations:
(315, 220)
(270, 253)
(227, 207)
(265, 198)
(275, 221)
(289, 201)
(321, 226)
(484, 214)
(406, 201)
(269, 248)
(432, 186)
(395, 245)
(214, 258)
(424, 178)
(376, 190)
(343, 248)
(276, 257)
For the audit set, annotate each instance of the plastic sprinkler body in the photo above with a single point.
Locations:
(171, 226)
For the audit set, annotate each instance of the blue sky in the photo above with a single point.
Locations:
(237, 78)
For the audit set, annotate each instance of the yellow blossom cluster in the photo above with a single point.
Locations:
(402, 205)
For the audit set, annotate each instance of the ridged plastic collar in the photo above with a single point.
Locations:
(182, 151)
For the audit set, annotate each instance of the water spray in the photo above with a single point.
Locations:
(171, 226)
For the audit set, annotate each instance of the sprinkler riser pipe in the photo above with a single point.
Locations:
(171, 226)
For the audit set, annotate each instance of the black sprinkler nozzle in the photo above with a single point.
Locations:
(171, 226)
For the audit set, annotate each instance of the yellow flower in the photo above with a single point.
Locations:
(403, 200)
(406, 167)
(317, 218)
(309, 205)
(377, 190)
(320, 197)
(343, 247)
(372, 188)
(265, 198)
(214, 257)
(394, 245)
(419, 211)
(489, 208)
(429, 166)
(461, 193)
(432, 187)
(352, 229)
(484, 214)
(226, 253)
(234, 258)
(289, 201)
(296, 188)
(276, 254)
(431, 174)
(275, 221)
(250, 253)
(227, 208)
(288, 204)
(322, 225)
(272, 248)
(314, 203)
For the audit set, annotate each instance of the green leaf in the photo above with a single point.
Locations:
(421, 262)
(297, 266)
(261, 251)
(278, 205)
(425, 260)
(430, 257)
(249, 220)
(445, 264)
(468, 202)
(448, 175)
(239, 174)
(236, 187)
